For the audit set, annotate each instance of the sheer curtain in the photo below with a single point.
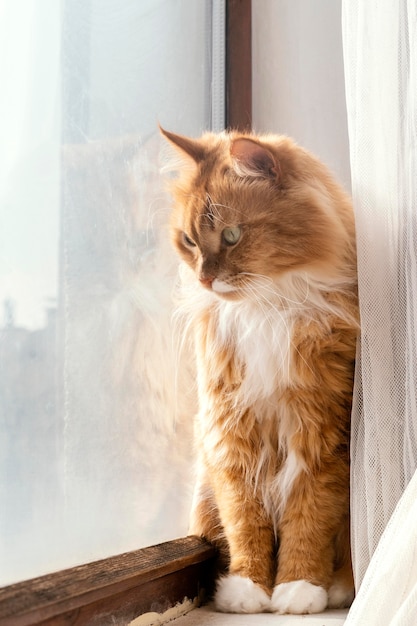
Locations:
(380, 49)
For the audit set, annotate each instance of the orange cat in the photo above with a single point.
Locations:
(269, 288)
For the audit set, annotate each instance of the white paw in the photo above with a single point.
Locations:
(237, 594)
(340, 597)
(298, 597)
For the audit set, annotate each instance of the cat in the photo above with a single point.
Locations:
(269, 289)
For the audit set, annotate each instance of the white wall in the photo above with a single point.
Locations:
(298, 77)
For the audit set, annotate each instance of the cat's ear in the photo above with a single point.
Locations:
(252, 159)
(190, 147)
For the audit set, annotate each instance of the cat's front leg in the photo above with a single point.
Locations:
(205, 520)
(306, 552)
(204, 515)
(247, 586)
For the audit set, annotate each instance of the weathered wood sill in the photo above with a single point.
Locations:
(112, 591)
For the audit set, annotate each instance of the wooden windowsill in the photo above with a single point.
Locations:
(113, 591)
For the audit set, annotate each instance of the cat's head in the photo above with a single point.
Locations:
(249, 208)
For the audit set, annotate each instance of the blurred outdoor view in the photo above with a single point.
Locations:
(96, 397)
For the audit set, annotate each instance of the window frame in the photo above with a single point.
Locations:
(121, 587)
(154, 578)
(239, 64)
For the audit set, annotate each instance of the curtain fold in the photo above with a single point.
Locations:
(380, 53)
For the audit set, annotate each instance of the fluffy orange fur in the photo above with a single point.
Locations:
(269, 289)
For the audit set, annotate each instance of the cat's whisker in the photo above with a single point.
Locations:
(264, 291)
(267, 283)
(269, 317)
(216, 215)
(219, 205)
(270, 312)
(217, 218)
(292, 343)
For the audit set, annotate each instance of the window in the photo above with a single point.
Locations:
(95, 430)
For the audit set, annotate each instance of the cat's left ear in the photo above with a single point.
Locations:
(252, 159)
(188, 146)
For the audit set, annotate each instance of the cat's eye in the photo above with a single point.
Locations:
(231, 235)
(188, 242)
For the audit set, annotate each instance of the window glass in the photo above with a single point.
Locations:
(96, 392)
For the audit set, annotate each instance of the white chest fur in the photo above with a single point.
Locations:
(261, 336)
(261, 339)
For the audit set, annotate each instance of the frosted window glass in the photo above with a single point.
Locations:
(95, 398)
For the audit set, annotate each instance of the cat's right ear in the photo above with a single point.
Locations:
(188, 147)
(253, 159)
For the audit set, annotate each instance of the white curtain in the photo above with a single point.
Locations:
(380, 50)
